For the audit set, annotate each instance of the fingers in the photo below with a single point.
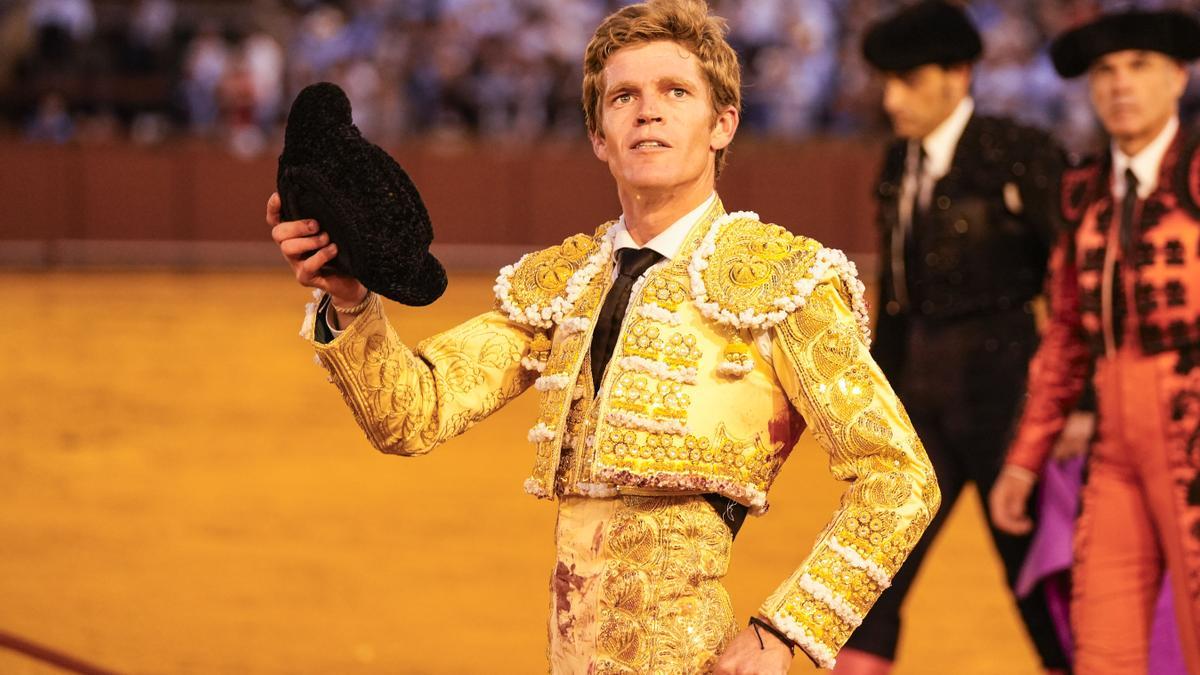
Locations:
(1019, 526)
(308, 271)
(1008, 509)
(273, 205)
(296, 247)
(293, 228)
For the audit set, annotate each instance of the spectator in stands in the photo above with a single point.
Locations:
(263, 58)
(205, 67)
(51, 122)
(60, 26)
(148, 41)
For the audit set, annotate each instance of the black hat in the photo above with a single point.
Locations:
(1173, 32)
(932, 31)
(360, 196)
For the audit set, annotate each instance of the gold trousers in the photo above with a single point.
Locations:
(637, 586)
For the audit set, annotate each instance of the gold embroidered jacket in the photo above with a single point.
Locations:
(727, 353)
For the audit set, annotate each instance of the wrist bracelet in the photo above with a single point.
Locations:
(351, 311)
(758, 623)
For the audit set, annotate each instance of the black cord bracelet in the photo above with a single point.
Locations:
(758, 623)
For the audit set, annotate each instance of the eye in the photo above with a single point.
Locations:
(678, 92)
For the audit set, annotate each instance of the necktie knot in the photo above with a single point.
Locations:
(633, 262)
(1131, 182)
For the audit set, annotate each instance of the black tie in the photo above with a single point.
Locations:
(632, 263)
(922, 156)
(1128, 204)
(909, 236)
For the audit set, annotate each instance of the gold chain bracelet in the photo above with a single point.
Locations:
(351, 311)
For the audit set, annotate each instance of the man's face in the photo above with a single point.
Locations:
(1135, 92)
(658, 128)
(918, 100)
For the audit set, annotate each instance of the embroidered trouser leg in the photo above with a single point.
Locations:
(1136, 515)
(637, 586)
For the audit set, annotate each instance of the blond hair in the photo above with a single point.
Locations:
(686, 22)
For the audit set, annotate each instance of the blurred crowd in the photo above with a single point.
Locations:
(149, 70)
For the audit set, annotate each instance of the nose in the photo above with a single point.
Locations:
(648, 112)
(893, 98)
(1121, 81)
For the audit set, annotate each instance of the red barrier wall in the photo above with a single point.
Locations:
(476, 194)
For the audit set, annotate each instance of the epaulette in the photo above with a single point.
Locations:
(1187, 173)
(1080, 186)
(541, 288)
(750, 274)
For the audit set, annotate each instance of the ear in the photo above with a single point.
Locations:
(599, 146)
(724, 127)
(960, 76)
(1179, 79)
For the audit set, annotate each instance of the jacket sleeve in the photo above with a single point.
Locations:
(1038, 179)
(829, 376)
(408, 401)
(1058, 372)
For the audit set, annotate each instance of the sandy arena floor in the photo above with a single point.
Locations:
(182, 492)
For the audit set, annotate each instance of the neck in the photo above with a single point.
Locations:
(1132, 145)
(649, 212)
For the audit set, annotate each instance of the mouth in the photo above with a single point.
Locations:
(650, 144)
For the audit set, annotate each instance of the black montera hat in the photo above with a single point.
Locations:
(1172, 32)
(932, 31)
(359, 195)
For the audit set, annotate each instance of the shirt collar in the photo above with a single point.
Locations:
(1145, 164)
(940, 143)
(669, 241)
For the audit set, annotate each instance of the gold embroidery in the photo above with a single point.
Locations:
(639, 394)
(663, 609)
(855, 585)
(565, 352)
(870, 440)
(756, 264)
(665, 291)
(569, 356)
(407, 404)
(744, 461)
(821, 621)
(544, 274)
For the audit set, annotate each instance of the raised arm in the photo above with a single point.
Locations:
(405, 401)
(408, 401)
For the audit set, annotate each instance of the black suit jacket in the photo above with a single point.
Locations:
(971, 253)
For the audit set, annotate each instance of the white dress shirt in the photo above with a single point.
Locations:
(668, 242)
(939, 146)
(1145, 163)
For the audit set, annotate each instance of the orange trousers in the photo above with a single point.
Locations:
(1136, 519)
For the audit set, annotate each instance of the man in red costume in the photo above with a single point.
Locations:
(1125, 297)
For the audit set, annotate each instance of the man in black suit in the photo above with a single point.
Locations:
(966, 212)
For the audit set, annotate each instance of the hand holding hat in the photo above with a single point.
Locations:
(365, 204)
